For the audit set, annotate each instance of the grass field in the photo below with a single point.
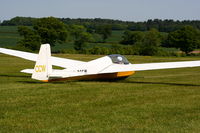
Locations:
(149, 101)
(8, 36)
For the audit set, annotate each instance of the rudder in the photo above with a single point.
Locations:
(43, 66)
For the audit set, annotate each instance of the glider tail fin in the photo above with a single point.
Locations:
(43, 66)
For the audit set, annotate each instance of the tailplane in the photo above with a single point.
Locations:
(43, 66)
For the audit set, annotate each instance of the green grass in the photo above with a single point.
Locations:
(11, 29)
(149, 101)
(116, 37)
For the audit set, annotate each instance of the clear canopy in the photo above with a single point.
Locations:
(118, 59)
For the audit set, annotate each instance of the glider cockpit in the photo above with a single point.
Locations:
(118, 59)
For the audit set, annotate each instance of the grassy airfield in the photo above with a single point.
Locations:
(149, 101)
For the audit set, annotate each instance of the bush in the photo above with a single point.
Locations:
(65, 51)
(99, 50)
(125, 50)
(114, 49)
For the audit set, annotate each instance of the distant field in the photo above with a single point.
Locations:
(9, 38)
(151, 101)
(116, 37)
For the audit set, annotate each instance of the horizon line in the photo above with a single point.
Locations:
(104, 18)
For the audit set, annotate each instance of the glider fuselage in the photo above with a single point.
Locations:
(107, 67)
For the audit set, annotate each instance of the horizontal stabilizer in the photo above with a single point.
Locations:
(29, 71)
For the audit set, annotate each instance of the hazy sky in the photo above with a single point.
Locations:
(131, 10)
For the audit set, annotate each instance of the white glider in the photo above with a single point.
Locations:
(107, 67)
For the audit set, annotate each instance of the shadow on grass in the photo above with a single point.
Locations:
(106, 81)
(118, 81)
(18, 76)
(26, 79)
(158, 83)
(40, 82)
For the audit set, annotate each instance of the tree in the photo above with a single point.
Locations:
(75, 31)
(81, 37)
(151, 43)
(16, 21)
(31, 40)
(45, 30)
(131, 37)
(186, 38)
(105, 31)
(51, 30)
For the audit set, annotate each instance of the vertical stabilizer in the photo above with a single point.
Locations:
(43, 66)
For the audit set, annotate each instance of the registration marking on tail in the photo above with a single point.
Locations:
(40, 68)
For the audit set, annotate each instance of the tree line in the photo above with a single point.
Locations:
(148, 42)
(186, 39)
(167, 25)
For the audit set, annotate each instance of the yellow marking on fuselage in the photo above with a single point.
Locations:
(40, 68)
(124, 74)
(45, 80)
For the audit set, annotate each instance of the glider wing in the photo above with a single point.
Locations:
(165, 65)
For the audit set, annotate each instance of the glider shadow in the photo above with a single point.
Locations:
(112, 81)
(16, 76)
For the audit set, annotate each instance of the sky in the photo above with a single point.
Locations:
(126, 10)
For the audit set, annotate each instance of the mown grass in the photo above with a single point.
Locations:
(149, 101)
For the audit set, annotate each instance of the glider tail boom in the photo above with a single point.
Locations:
(43, 66)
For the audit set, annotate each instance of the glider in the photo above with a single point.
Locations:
(108, 67)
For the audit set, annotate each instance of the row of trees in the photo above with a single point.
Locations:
(52, 30)
(167, 25)
(186, 39)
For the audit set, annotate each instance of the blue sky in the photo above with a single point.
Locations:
(131, 10)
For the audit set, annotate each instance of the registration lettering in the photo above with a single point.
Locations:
(40, 68)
